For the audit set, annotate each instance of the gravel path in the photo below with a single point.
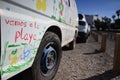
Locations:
(85, 62)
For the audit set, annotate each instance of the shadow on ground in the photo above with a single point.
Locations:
(78, 40)
(95, 52)
(108, 75)
(66, 48)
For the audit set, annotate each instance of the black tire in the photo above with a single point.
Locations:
(84, 39)
(45, 67)
(73, 43)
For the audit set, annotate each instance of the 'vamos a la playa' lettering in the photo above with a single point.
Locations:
(21, 33)
(15, 23)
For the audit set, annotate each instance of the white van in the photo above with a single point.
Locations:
(32, 34)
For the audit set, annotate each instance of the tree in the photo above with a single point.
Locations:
(97, 24)
(105, 24)
(113, 17)
(106, 19)
(118, 13)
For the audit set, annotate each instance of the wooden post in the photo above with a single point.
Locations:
(116, 62)
(95, 36)
(103, 42)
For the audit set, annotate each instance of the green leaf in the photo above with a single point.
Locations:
(14, 52)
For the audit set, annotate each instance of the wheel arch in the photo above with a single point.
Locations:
(56, 30)
(76, 33)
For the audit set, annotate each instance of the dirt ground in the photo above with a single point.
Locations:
(85, 62)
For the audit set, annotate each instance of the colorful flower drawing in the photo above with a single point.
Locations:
(13, 57)
(54, 10)
(41, 5)
(4, 55)
(27, 52)
(61, 7)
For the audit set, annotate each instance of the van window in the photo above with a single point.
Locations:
(69, 3)
(80, 16)
(82, 23)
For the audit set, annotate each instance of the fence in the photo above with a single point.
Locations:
(113, 36)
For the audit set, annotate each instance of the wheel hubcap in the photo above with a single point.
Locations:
(49, 58)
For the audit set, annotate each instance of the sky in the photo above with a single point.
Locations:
(99, 7)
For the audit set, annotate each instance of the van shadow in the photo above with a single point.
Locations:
(78, 40)
(95, 52)
(66, 48)
(107, 75)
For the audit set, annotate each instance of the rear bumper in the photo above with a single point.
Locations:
(81, 34)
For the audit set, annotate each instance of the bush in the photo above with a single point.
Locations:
(112, 25)
(117, 24)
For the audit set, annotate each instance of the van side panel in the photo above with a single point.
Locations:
(59, 10)
(23, 25)
(0, 49)
(20, 36)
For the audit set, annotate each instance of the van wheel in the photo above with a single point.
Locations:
(48, 57)
(72, 44)
(84, 40)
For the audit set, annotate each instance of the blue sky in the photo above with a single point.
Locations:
(100, 7)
